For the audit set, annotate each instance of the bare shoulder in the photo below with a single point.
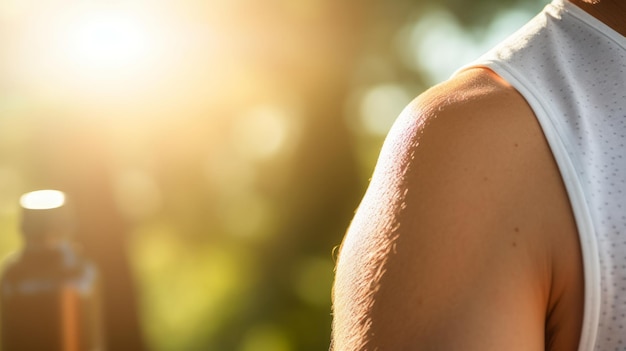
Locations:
(453, 244)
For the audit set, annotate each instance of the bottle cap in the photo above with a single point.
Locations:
(45, 211)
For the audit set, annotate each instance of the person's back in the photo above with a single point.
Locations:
(468, 236)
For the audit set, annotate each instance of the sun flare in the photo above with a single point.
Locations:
(107, 40)
(90, 50)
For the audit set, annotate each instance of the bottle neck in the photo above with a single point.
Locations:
(50, 251)
(49, 241)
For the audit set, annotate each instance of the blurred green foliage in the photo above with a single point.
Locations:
(228, 176)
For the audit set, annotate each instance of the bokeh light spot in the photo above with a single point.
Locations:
(248, 215)
(380, 106)
(437, 44)
(137, 194)
(204, 282)
(262, 132)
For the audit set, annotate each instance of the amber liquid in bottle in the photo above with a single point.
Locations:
(49, 293)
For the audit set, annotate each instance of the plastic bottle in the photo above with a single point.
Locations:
(50, 298)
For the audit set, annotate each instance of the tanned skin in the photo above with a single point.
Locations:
(465, 239)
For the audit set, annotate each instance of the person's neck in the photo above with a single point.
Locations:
(611, 12)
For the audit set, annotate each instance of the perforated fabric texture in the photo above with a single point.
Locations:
(571, 68)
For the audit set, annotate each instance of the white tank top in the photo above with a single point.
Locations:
(571, 68)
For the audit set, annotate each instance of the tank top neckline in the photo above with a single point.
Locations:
(565, 6)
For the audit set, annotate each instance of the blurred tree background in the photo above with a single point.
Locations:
(217, 149)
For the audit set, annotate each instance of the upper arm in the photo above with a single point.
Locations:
(448, 249)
